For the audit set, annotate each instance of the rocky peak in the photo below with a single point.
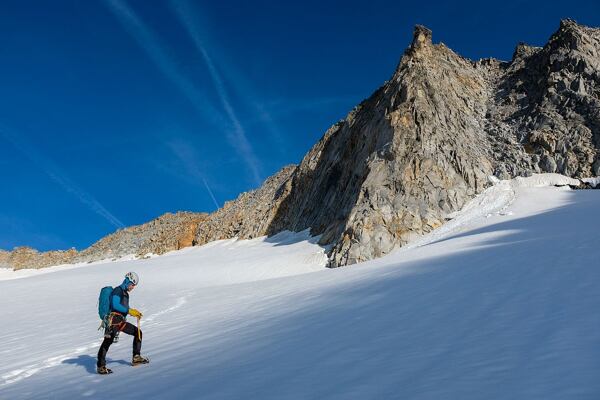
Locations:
(523, 51)
(551, 101)
(569, 34)
(572, 36)
(421, 38)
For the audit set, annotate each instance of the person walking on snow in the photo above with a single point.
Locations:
(116, 322)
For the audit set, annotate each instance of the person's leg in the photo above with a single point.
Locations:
(108, 340)
(131, 329)
(109, 337)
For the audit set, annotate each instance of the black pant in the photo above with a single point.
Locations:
(111, 331)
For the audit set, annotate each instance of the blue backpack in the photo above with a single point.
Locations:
(104, 302)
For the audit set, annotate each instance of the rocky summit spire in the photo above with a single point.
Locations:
(421, 37)
(568, 23)
(572, 36)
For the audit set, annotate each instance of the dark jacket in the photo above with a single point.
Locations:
(120, 298)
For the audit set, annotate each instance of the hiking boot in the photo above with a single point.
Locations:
(103, 370)
(137, 360)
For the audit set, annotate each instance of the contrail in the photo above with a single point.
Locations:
(228, 71)
(239, 139)
(151, 45)
(187, 156)
(60, 177)
(211, 193)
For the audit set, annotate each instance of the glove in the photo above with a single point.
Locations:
(134, 313)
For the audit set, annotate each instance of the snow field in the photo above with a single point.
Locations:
(500, 303)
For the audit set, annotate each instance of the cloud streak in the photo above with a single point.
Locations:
(235, 132)
(151, 44)
(59, 177)
(186, 155)
(238, 139)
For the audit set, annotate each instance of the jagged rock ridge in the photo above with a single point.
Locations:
(424, 144)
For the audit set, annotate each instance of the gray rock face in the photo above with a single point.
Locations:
(250, 215)
(415, 151)
(424, 143)
(403, 159)
(548, 100)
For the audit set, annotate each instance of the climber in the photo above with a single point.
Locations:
(116, 322)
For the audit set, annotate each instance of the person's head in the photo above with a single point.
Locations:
(131, 280)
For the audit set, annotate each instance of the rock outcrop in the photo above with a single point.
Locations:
(165, 233)
(249, 215)
(5, 259)
(548, 100)
(27, 257)
(410, 155)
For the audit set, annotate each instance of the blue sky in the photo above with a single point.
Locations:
(115, 112)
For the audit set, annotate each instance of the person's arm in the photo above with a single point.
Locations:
(117, 306)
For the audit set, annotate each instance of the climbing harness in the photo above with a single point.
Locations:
(113, 322)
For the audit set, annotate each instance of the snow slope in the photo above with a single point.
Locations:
(500, 303)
